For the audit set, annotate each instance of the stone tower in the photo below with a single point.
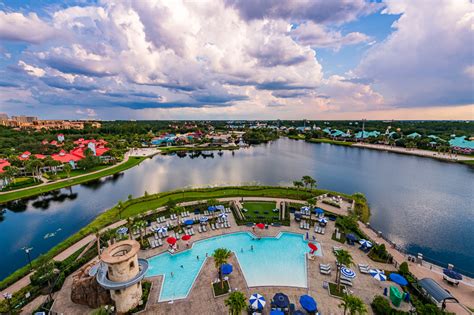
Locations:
(121, 272)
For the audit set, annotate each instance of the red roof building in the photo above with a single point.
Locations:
(65, 157)
(25, 155)
(3, 164)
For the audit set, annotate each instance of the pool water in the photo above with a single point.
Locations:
(274, 261)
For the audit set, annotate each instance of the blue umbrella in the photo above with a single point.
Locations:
(211, 208)
(203, 219)
(257, 301)
(122, 230)
(220, 208)
(319, 211)
(276, 312)
(298, 312)
(348, 273)
(452, 274)
(308, 303)
(398, 279)
(281, 300)
(378, 274)
(189, 222)
(365, 243)
(351, 237)
(161, 229)
(226, 269)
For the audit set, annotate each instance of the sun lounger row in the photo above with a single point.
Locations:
(304, 225)
(189, 231)
(325, 269)
(156, 243)
(320, 230)
(363, 268)
(161, 219)
(185, 214)
(222, 225)
(173, 216)
(221, 220)
(336, 248)
(202, 229)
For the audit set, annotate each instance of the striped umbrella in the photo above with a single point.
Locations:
(223, 215)
(122, 230)
(365, 243)
(348, 273)
(323, 220)
(161, 229)
(378, 274)
(203, 219)
(257, 301)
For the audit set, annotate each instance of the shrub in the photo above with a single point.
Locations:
(381, 306)
(403, 269)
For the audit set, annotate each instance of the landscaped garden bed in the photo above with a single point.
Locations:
(218, 290)
(333, 291)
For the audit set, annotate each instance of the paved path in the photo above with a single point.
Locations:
(419, 152)
(126, 157)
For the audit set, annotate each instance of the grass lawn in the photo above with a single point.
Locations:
(21, 182)
(260, 210)
(133, 161)
(73, 173)
(333, 290)
(314, 140)
(218, 290)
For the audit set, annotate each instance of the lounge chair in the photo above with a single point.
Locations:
(199, 229)
(160, 242)
(204, 228)
(346, 282)
(325, 271)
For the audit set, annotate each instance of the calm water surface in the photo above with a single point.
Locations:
(422, 204)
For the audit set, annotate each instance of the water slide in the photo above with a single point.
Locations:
(102, 279)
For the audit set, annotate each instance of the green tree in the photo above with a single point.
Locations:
(140, 226)
(221, 256)
(308, 181)
(343, 258)
(236, 302)
(97, 239)
(298, 184)
(177, 210)
(130, 223)
(67, 168)
(353, 304)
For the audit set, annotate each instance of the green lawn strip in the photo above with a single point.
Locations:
(74, 173)
(256, 210)
(324, 140)
(21, 182)
(142, 204)
(133, 161)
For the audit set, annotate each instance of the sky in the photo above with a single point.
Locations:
(237, 59)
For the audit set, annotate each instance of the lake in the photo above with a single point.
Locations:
(422, 204)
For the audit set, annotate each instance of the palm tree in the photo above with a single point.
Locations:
(177, 210)
(312, 183)
(311, 203)
(236, 302)
(67, 168)
(97, 237)
(306, 179)
(130, 222)
(298, 184)
(343, 258)
(140, 225)
(353, 304)
(221, 255)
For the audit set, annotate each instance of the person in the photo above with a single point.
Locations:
(182, 266)
(172, 275)
(206, 255)
(251, 247)
(241, 250)
(197, 257)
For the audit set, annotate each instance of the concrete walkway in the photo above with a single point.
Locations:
(418, 152)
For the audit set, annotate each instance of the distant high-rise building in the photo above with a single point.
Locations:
(3, 116)
(24, 119)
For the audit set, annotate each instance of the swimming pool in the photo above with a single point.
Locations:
(268, 264)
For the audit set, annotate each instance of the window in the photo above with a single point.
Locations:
(117, 292)
(110, 271)
(132, 264)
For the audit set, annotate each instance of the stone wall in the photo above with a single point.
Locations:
(86, 291)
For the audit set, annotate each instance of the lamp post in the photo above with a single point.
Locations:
(8, 297)
(27, 252)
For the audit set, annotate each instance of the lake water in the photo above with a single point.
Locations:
(422, 204)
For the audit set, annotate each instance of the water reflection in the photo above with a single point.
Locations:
(421, 204)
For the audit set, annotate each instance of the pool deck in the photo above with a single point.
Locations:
(201, 300)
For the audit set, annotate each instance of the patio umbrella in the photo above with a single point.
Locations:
(305, 208)
(348, 273)
(398, 279)
(226, 269)
(452, 274)
(378, 274)
(220, 208)
(171, 240)
(161, 229)
(203, 219)
(186, 237)
(223, 215)
(323, 220)
(365, 243)
(211, 208)
(276, 312)
(261, 225)
(122, 230)
(351, 237)
(298, 312)
(313, 247)
(308, 303)
(257, 301)
(319, 211)
(281, 300)
(189, 222)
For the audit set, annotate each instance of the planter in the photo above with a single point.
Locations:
(217, 291)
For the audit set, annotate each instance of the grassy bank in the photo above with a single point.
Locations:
(133, 161)
(145, 203)
(324, 140)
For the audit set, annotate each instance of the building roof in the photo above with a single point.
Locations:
(414, 135)
(434, 290)
(461, 142)
(65, 157)
(367, 134)
(3, 164)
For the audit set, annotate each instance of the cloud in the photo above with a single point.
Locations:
(318, 11)
(26, 28)
(31, 70)
(316, 35)
(89, 112)
(425, 60)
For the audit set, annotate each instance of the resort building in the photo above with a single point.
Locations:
(461, 144)
(414, 135)
(367, 134)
